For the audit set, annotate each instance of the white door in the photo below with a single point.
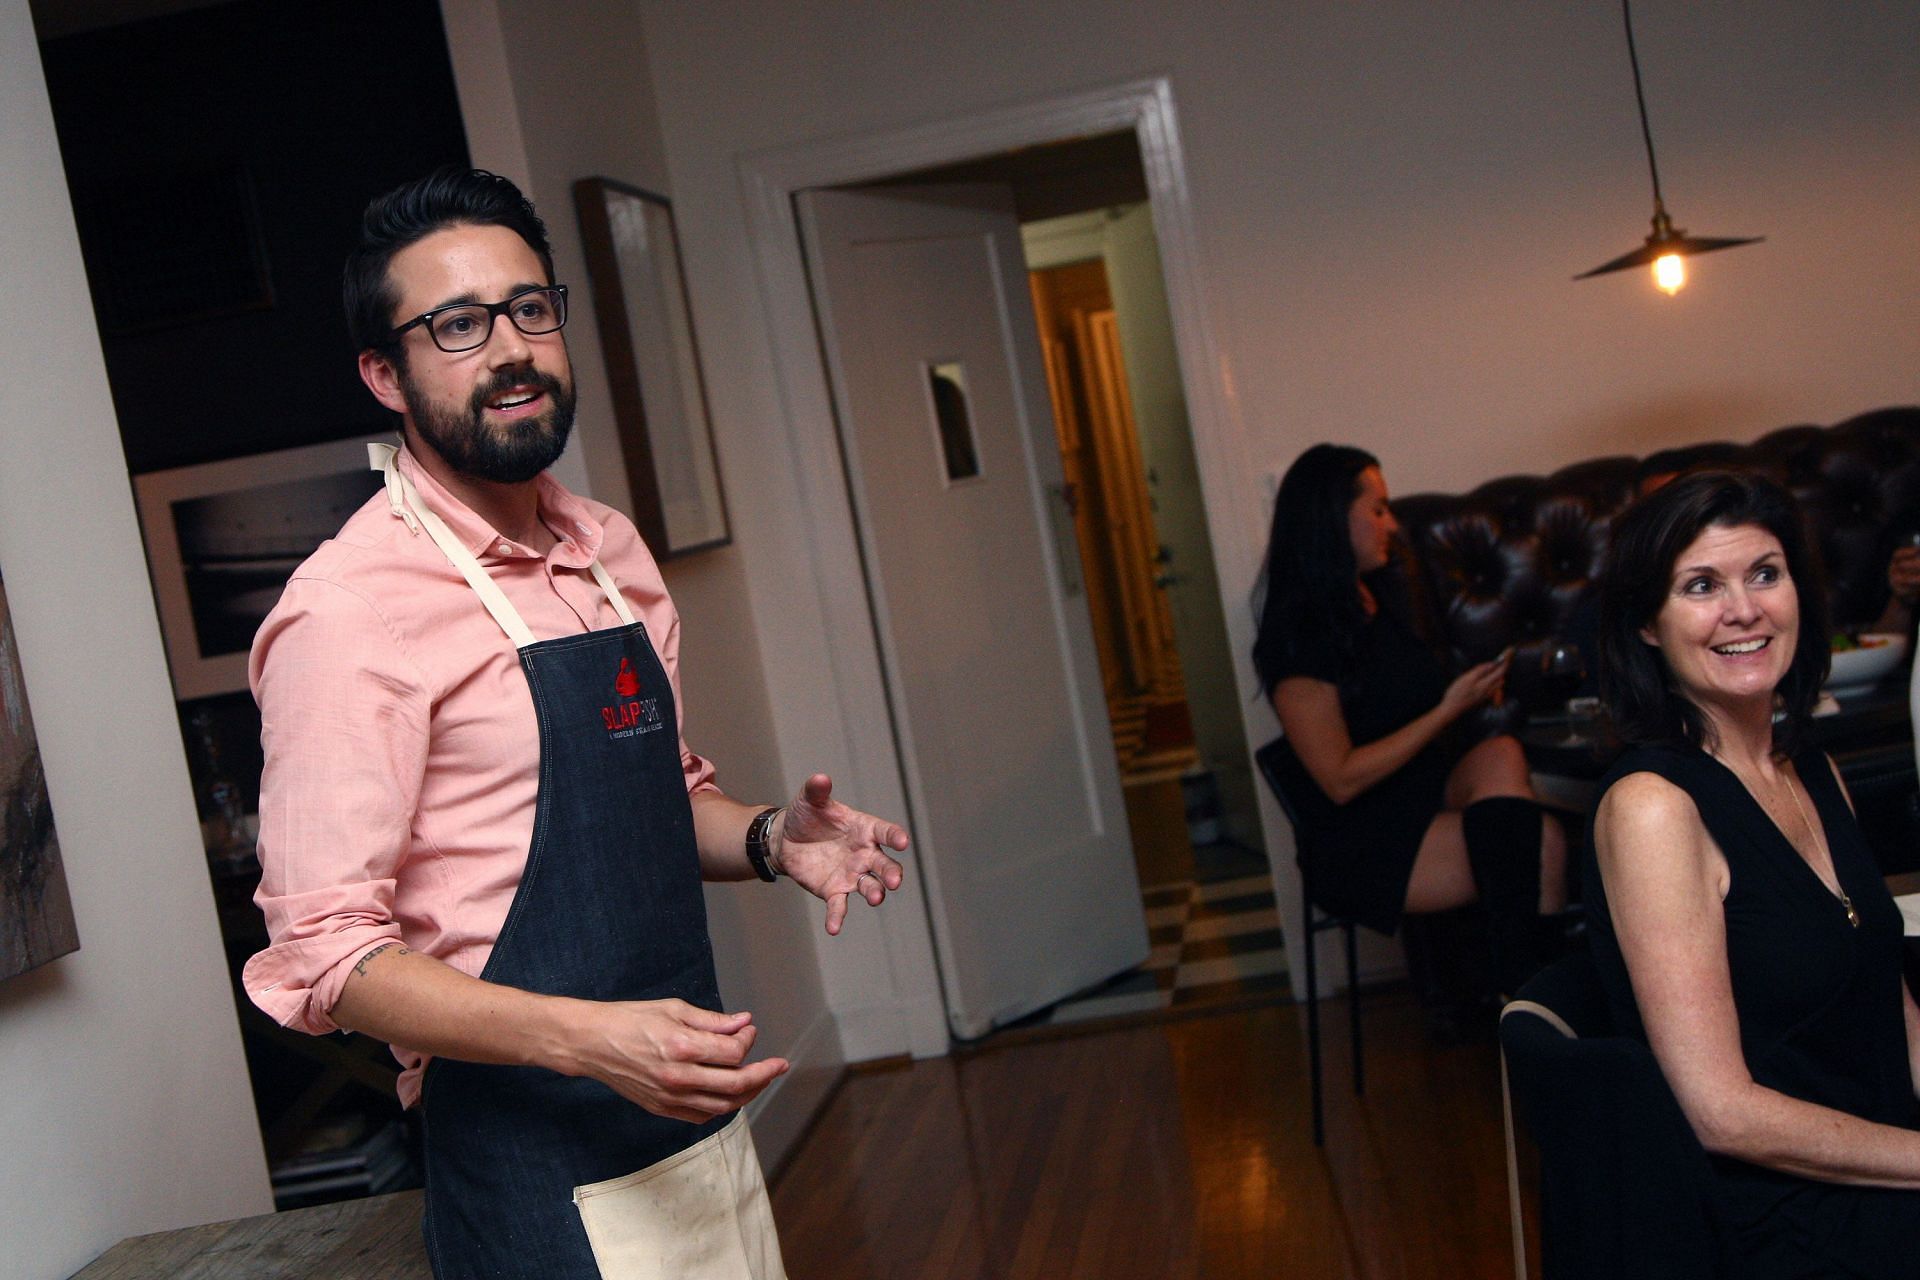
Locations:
(1019, 829)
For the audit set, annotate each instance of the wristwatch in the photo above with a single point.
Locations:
(757, 833)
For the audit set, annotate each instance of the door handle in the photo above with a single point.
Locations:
(1066, 539)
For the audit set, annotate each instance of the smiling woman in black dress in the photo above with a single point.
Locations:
(1405, 812)
(1738, 920)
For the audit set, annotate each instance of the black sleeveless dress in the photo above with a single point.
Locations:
(1820, 1009)
(1361, 853)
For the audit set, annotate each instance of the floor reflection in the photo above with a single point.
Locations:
(1174, 1148)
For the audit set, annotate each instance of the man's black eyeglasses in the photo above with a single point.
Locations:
(467, 325)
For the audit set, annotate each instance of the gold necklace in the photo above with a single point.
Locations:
(1853, 917)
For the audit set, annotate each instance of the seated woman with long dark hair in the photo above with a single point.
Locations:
(1737, 917)
(1406, 812)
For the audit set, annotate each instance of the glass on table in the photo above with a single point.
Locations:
(1583, 721)
(1562, 670)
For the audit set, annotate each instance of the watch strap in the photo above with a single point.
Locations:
(758, 832)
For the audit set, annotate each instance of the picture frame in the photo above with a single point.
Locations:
(36, 906)
(653, 366)
(223, 538)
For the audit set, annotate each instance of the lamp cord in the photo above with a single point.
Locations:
(1639, 96)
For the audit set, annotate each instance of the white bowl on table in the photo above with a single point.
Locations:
(1859, 668)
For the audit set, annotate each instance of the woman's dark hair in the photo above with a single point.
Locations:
(1312, 579)
(448, 197)
(1635, 680)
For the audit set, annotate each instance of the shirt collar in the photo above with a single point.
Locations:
(562, 512)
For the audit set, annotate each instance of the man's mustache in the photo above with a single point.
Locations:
(505, 380)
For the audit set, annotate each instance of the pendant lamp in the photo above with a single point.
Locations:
(1667, 245)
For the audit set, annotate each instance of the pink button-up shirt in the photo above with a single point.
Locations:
(402, 755)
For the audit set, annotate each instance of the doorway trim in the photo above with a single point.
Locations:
(769, 180)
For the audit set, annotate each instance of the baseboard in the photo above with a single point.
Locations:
(884, 1030)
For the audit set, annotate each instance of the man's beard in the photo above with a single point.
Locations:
(510, 453)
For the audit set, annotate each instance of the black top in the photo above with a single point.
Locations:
(1391, 678)
(1819, 1001)
(1360, 854)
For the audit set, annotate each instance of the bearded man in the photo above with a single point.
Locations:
(482, 835)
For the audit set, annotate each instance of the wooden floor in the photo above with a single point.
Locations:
(1178, 1149)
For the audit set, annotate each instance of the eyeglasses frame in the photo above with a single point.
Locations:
(494, 311)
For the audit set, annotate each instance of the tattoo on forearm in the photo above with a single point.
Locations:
(398, 948)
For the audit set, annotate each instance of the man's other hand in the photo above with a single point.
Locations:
(833, 851)
(673, 1058)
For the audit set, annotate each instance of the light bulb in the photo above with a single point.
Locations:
(1669, 273)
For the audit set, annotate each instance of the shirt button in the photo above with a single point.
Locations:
(506, 548)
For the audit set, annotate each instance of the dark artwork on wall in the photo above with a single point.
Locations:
(653, 366)
(223, 538)
(219, 158)
(36, 915)
(150, 273)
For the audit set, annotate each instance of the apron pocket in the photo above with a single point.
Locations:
(701, 1214)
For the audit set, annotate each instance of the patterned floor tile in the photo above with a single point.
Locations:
(1211, 942)
(1206, 928)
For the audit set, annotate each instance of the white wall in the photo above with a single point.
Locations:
(1392, 197)
(123, 1093)
(552, 94)
(1389, 202)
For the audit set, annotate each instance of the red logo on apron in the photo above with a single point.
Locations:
(626, 683)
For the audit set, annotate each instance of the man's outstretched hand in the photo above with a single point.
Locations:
(833, 851)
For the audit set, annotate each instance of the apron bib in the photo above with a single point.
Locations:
(549, 1177)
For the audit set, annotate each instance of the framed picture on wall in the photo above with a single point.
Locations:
(36, 912)
(222, 539)
(653, 366)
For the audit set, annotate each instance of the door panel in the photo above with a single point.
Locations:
(1019, 826)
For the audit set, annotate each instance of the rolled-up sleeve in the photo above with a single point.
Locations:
(344, 723)
(696, 770)
(646, 590)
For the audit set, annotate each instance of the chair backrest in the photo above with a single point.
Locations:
(1276, 763)
(1625, 1187)
(1286, 776)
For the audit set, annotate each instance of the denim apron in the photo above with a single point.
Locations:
(609, 908)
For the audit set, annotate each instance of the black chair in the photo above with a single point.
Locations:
(1276, 765)
(1625, 1186)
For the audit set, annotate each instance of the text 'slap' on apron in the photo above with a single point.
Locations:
(609, 908)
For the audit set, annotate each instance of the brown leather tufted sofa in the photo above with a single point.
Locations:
(1509, 562)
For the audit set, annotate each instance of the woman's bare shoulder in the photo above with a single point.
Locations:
(1643, 804)
(1642, 789)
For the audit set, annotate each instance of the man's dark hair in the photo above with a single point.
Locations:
(447, 197)
(1313, 581)
(1647, 539)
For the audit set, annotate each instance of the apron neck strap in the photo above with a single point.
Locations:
(405, 501)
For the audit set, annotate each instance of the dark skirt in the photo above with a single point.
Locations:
(1359, 855)
(1820, 1230)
